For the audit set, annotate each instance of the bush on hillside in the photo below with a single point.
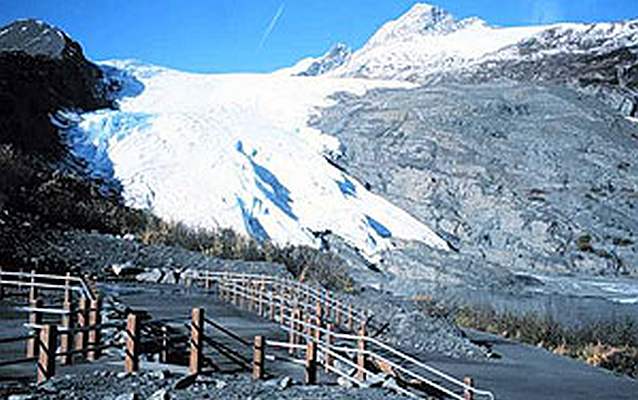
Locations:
(303, 262)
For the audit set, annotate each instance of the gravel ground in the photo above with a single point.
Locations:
(97, 253)
(108, 385)
(414, 332)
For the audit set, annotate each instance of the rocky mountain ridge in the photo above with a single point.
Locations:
(428, 45)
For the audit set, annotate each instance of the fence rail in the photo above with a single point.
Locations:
(335, 330)
(79, 326)
(329, 331)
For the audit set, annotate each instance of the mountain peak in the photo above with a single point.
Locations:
(33, 37)
(421, 19)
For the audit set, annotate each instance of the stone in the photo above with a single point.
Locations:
(161, 375)
(161, 394)
(345, 383)
(220, 384)
(285, 382)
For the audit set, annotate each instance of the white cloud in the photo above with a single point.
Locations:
(271, 25)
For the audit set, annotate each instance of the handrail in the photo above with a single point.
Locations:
(16, 339)
(316, 294)
(227, 332)
(30, 276)
(300, 328)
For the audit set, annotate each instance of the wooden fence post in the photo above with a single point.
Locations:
(81, 338)
(271, 304)
(35, 318)
(197, 341)
(338, 313)
(47, 343)
(33, 291)
(164, 349)
(66, 337)
(310, 372)
(258, 358)
(207, 282)
(132, 356)
(260, 299)
(95, 320)
(319, 311)
(327, 360)
(350, 320)
(361, 357)
(296, 314)
(467, 394)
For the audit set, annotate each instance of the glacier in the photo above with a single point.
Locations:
(235, 151)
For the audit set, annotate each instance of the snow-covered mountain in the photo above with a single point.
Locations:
(235, 151)
(338, 55)
(427, 39)
(427, 44)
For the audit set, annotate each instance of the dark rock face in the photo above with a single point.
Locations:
(41, 71)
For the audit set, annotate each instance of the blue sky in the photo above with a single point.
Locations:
(262, 35)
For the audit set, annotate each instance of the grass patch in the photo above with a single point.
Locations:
(613, 346)
(303, 262)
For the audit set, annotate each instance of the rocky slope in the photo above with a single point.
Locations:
(523, 180)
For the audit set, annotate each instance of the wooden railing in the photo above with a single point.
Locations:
(330, 331)
(78, 331)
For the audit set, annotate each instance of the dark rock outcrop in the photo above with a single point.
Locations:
(43, 70)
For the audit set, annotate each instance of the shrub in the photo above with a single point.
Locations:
(303, 262)
(610, 345)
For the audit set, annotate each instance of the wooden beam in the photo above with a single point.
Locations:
(258, 358)
(66, 338)
(271, 305)
(468, 394)
(95, 320)
(310, 371)
(132, 353)
(47, 344)
(327, 360)
(82, 337)
(33, 291)
(35, 317)
(361, 357)
(197, 341)
(165, 346)
(350, 319)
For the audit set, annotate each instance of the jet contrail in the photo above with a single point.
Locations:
(271, 25)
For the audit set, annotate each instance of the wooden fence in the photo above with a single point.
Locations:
(323, 331)
(329, 332)
(70, 331)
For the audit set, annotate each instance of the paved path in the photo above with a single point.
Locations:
(163, 302)
(530, 373)
(167, 302)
